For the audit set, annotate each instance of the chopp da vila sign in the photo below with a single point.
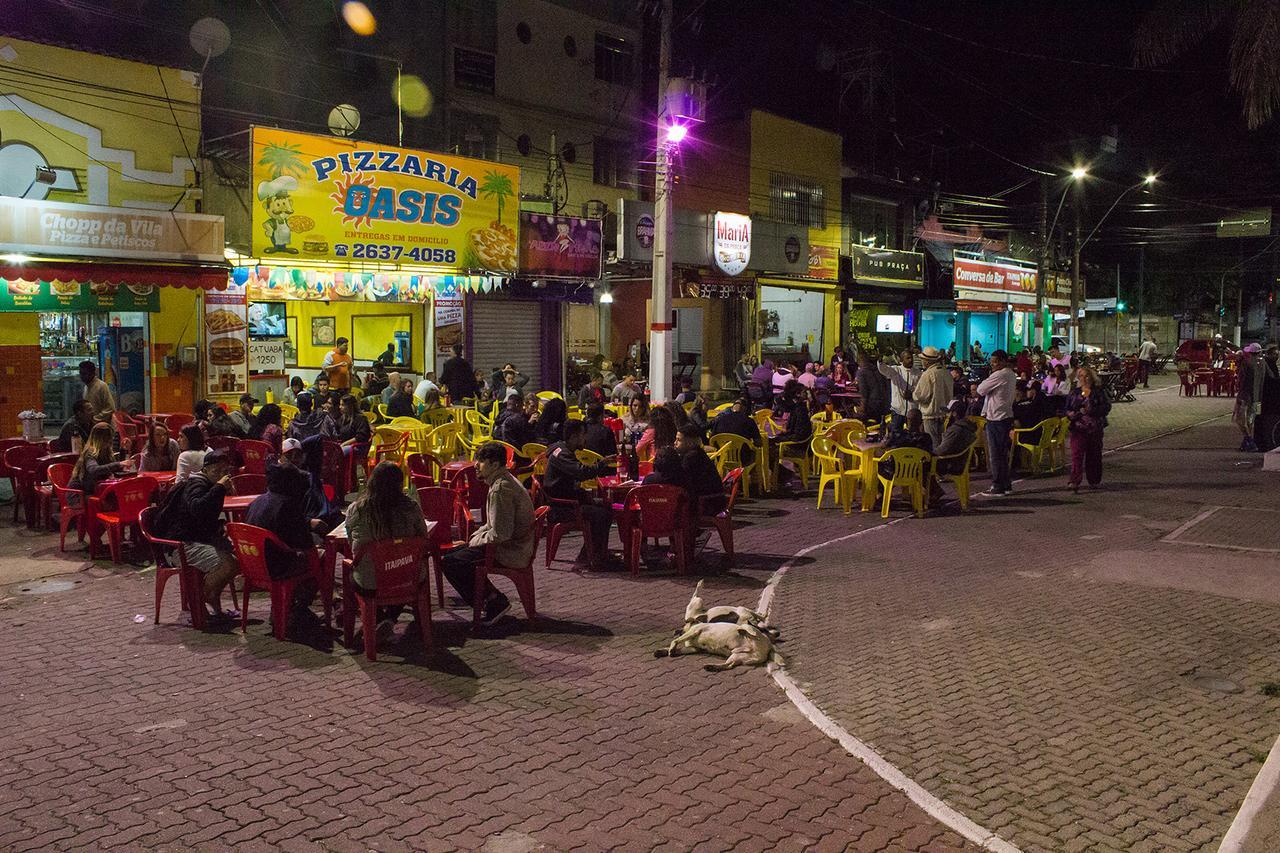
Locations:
(731, 242)
(341, 199)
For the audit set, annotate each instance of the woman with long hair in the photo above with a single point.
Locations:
(161, 452)
(267, 427)
(635, 421)
(432, 400)
(549, 427)
(1087, 409)
(401, 404)
(840, 374)
(192, 447)
(352, 426)
(660, 435)
(383, 511)
(96, 462)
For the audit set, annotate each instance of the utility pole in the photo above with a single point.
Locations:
(660, 325)
(1074, 341)
(1142, 257)
(1117, 308)
(1044, 256)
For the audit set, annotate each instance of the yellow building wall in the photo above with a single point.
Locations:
(782, 145)
(300, 315)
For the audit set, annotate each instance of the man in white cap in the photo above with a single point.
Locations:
(933, 392)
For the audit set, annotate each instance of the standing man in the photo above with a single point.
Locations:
(1146, 360)
(97, 392)
(337, 366)
(933, 393)
(1249, 397)
(457, 376)
(902, 377)
(388, 356)
(873, 388)
(997, 391)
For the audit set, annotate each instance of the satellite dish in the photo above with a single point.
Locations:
(344, 120)
(210, 37)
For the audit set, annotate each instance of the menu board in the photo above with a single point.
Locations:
(226, 338)
(46, 296)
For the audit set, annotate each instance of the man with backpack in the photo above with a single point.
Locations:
(192, 514)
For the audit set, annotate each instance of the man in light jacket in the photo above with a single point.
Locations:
(902, 377)
(933, 392)
(509, 529)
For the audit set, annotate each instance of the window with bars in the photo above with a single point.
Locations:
(610, 162)
(473, 135)
(614, 58)
(796, 201)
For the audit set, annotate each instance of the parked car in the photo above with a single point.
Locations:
(1060, 341)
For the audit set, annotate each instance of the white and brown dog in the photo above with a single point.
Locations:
(740, 634)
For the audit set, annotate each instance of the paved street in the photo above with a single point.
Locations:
(1059, 690)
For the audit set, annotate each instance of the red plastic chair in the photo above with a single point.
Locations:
(397, 565)
(558, 529)
(616, 425)
(126, 427)
(132, 497)
(424, 469)
(1188, 388)
(58, 474)
(357, 459)
(249, 484)
(175, 423)
(521, 576)
(250, 545)
(71, 503)
(658, 512)
(443, 506)
(473, 493)
(189, 580)
(723, 520)
(333, 469)
(253, 455)
(21, 461)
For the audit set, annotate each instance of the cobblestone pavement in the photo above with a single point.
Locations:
(118, 733)
(1049, 666)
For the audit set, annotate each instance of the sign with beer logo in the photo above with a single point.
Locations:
(644, 231)
(988, 275)
(731, 242)
(328, 198)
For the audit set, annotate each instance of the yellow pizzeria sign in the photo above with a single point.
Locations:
(333, 199)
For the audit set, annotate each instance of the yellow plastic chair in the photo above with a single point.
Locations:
(381, 409)
(982, 454)
(830, 468)
(851, 462)
(723, 407)
(1058, 445)
(846, 430)
(532, 450)
(823, 420)
(1035, 451)
(908, 472)
(734, 451)
(444, 442)
(548, 395)
(589, 457)
(797, 452)
(575, 414)
(438, 417)
(479, 425)
(962, 478)
(387, 443)
(371, 417)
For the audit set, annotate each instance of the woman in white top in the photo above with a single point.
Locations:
(191, 459)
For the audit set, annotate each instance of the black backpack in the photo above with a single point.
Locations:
(169, 511)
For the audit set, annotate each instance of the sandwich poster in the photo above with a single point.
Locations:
(328, 198)
(226, 342)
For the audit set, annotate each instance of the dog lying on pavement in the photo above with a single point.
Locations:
(740, 634)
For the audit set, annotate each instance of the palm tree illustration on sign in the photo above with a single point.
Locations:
(283, 160)
(497, 185)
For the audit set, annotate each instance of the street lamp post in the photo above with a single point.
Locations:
(660, 325)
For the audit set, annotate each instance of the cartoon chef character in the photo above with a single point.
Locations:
(275, 199)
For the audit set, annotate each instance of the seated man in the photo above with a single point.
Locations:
(192, 514)
(280, 510)
(592, 392)
(1030, 409)
(309, 421)
(564, 473)
(78, 426)
(960, 432)
(597, 437)
(512, 426)
(912, 434)
(706, 489)
(737, 421)
(509, 528)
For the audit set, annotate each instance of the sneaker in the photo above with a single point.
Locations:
(993, 492)
(495, 609)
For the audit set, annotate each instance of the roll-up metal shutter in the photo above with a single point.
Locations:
(507, 331)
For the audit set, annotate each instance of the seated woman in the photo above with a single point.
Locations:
(401, 405)
(432, 400)
(296, 387)
(267, 427)
(352, 427)
(661, 434)
(549, 428)
(97, 462)
(192, 447)
(635, 421)
(161, 452)
(383, 511)
(318, 505)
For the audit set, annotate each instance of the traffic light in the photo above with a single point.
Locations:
(1121, 306)
(1222, 310)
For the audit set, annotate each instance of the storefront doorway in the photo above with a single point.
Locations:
(791, 323)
